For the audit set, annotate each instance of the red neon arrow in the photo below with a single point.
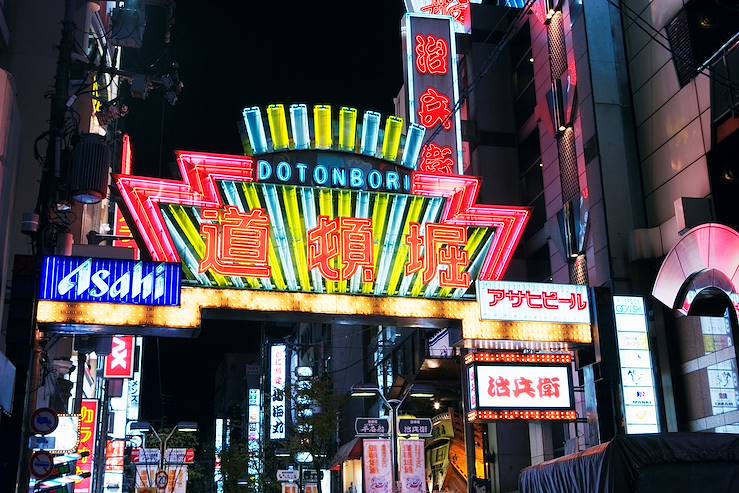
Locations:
(462, 209)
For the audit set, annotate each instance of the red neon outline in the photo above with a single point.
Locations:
(462, 208)
(200, 171)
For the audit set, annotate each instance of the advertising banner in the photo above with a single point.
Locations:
(120, 362)
(431, 80)
(115, 450)
(88, 438)
(533, 302)
(637, 384)
(412, 466)
(377, 466)
(146, 475)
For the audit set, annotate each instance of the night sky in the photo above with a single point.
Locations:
(237, 54)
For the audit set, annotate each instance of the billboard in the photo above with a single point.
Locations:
(533, 302)
(98, 280)
(521, 388)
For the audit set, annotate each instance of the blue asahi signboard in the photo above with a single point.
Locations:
(80, 279)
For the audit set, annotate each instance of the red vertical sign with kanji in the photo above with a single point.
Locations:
(431, 81)
(88, 437)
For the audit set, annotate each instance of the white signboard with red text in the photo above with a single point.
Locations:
(523, 387)
(120, 362)
(278, 373)
(533, 302)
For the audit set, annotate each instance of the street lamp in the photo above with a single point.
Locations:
(184, 426)
(371, 390)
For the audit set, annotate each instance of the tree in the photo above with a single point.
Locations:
(234, 466)
(317, 410)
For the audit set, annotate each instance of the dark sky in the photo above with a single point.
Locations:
(245, 53)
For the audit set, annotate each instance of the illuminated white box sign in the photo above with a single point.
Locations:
(533, 302)
(637, 383)
(278, 359)
(506, 386)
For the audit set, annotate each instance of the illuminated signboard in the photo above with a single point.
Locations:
(110, 281)
(120, 362)
(533, 302)
(88, 440)
(278, 402)
(430, 69)
(533, 390)
(324, 213)
(637, 382)
(458, 10)
(253, 434)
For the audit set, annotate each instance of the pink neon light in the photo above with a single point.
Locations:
(126, 156)
(198, 187)
(462, 209)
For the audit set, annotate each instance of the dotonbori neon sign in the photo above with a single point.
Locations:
(250, 222)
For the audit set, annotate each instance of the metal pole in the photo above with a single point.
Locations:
(394, 404)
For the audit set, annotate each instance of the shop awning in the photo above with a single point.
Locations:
(659, 463)
(350, 450)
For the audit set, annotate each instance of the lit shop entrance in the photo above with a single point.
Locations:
(376, 230)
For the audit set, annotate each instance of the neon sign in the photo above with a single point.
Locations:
(110, 281)
(523, 391)
(431, 81)
(457, 10)
(231, 229)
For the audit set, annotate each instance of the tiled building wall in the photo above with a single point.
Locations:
(673, 123)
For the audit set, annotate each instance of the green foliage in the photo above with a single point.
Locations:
(234, 465)
(316, 432)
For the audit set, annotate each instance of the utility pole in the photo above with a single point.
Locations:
(50, 175)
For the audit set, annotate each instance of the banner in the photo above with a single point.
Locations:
(412, 466)
(177, 483)
(377, 466)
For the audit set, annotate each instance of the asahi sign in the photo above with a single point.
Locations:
(79, 279)
(533, 302)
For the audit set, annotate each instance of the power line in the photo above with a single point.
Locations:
(486, 66)
(633, 15)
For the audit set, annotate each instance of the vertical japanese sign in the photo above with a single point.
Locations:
(377, 463)
(637, 382)
(120, 362)
(459, 10)
(278, 362)
(114, 455)
(431, 80)
(255, 412)
(412, 466)
(88, 438)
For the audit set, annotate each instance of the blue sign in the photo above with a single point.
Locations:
(110, 281)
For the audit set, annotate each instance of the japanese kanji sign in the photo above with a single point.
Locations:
(431, 81)
(533, 302)
(412, 466)
(504, 386)
(88, 437)
(377, 463)
(277, 419)
(458, 10)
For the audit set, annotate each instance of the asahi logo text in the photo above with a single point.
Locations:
(99, 283)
